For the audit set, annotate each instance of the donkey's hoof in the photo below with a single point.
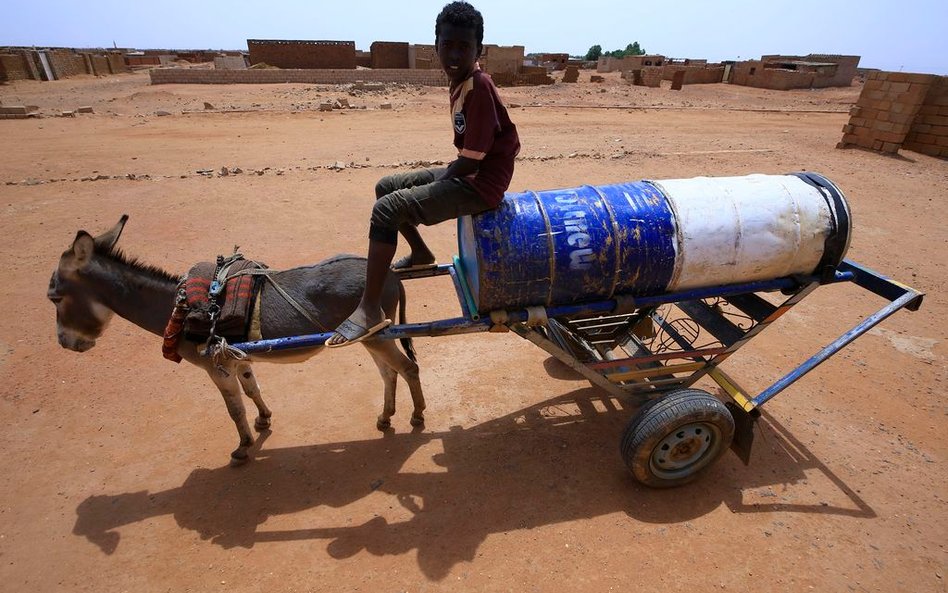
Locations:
(418, 420)
(261, 423)
(383, 424)
(239, 457)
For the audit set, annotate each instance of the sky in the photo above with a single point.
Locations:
(901, 35)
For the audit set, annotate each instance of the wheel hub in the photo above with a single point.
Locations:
(682, 449)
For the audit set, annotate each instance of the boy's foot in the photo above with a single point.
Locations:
(356, 329)
(410, 263)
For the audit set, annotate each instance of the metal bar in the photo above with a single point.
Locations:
(465, 288)
(564, 357)
(881, 285)
(712, 321)
(752, 305)
(462, 301)
(732, 388)
(477, 324)
(778, 312)
(694, 354)
(660, 370)
(837, 345)
(446, 327)
(653, 385)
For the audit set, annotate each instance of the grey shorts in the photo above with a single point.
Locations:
(415, 198)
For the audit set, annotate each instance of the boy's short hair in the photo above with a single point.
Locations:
(461, 14)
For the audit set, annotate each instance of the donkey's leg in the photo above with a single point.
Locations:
(395, 360)
(390, 382)
(230, 389)
(252, 390)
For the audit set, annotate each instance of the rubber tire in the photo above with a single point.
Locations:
(660, 419)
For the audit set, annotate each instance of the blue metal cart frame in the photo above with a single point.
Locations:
(614, 344)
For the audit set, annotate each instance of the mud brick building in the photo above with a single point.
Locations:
(57, 63)
(498, 59)
(553, 61)
(695, 74)
(303, 54)
(423, 57)
(796, 72)
(900, 110)
(650, 76)
(611, 64)
(389, 54)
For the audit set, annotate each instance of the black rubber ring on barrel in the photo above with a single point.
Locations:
(835, 246)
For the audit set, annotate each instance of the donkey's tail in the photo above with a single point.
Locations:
(407, 344)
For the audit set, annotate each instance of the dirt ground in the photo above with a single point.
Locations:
(117, 460)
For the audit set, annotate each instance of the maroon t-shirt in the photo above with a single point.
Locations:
(483, 132)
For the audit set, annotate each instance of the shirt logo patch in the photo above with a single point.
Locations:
(459, 124)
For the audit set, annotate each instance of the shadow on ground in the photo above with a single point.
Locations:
(552, 462)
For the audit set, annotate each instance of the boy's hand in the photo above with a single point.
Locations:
(462, 167)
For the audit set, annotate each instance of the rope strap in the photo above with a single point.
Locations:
(266, 274)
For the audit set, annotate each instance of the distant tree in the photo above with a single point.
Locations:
(632, 49)
(594, 53)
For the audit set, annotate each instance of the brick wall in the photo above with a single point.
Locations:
(309, 76)
(695, 74)
(303, 54)
(650, 76)
(610, 64)
(116, 62)
(929, 131)
(143, 60)
(389, 54)
(100, 65)
(14, 67)
(230, 63)
(886, 110)
(846, 70)
(498, 58)
(766, 72)
(66, 63)
(423, 56)
(755, 73)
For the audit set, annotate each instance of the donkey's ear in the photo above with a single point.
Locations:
(83, 248)
(109, 238)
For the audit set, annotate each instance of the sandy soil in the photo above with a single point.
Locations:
(116, 460)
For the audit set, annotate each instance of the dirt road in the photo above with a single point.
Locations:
(116, 460)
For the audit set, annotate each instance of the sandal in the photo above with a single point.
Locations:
(404, 264)
(353, 332)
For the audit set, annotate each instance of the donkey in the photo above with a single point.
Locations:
(94, 280)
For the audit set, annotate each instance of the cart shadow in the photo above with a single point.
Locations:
(553, 462)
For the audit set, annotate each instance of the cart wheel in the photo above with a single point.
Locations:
(673, 438)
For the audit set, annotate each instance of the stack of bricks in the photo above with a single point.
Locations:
(886, 109)
(650, 76)
(16, 111)
(929, 133)
(571, 74)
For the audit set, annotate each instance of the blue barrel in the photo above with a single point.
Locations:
(563, 246)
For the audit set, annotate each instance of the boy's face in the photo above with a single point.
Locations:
(458, 51)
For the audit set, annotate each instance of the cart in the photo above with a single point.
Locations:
(655, 348)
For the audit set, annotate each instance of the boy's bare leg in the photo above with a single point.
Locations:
(369, 311)
(420, 252)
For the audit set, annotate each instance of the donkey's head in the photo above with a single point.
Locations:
(80, 315)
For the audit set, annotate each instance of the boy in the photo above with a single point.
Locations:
(487, 144)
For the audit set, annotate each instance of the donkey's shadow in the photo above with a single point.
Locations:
(553, 462)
